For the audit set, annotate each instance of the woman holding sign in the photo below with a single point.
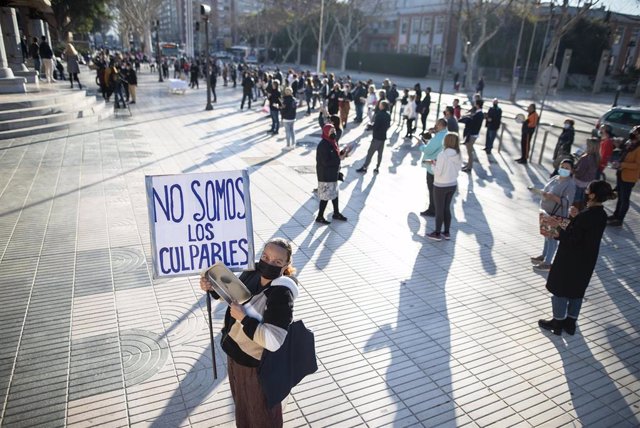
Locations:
(258, 324)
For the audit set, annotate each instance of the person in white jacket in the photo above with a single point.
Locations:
(445, 182)
(411, 113)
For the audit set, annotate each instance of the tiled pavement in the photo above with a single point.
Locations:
(409, 332)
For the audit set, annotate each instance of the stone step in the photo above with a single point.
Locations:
(48, 127)
(39, 99)
(36, 111)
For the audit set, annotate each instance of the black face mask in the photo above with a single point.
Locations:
(332, 135)
(268, 271)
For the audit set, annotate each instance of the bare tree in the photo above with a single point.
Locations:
(296, 13)
(565, 22)
(139, 14)
(261, 27)
(476, 29)
(328, 25)
(351, 21)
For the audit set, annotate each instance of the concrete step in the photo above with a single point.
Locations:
(40, 99)
(21, 113)
(48, 127)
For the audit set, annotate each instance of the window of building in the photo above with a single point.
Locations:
(617, 35)
(426, 24)
(415, 25)
(437, 54)
(439, 24)
(403, 26)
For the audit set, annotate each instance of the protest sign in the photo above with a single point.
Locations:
(197, 220)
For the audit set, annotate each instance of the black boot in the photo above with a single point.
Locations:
(553, 325)
(569, 325)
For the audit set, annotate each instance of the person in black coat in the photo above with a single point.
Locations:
(576, 259)
(564, 144)
(247, 89)
(328, 158)
(493, 121)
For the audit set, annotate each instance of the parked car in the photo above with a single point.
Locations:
(621, 120)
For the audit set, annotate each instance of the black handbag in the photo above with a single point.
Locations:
(283, 369)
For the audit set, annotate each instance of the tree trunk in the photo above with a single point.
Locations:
(343, 60)
(299, 53)
(147, 41)
(472, 59)
(289, 52)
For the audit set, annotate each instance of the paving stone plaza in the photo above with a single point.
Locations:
(409, 332)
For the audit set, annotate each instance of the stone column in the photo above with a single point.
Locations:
(37, 29)
(602, 68)
(12, 45)
(564, 69)
(8, 82)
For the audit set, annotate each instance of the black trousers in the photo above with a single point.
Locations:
(432, 205)
(525, 142)
(443, 198)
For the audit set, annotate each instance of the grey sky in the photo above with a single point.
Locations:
(631, 7)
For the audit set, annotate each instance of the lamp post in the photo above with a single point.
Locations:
(320, 35)
(157, 25)
(515, 73)
(205, 11)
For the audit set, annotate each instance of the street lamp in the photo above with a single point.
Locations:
(157, 25)
(205, 11)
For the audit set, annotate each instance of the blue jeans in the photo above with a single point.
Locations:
(289, 134)
(564, 307)
(491, 136)
(275, 120)
(359, 111)
(549, 250)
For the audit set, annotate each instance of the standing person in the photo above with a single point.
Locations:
(528, 128)
(133, 84)
(124, 80)
(381, 123)
(456, 80)
(73, 66)
(576, 259)
(289, 105)
(359, 100)
(457, 110)
(392, 97)
(194, 71)
(493, 121)
(480, 86)
(34, 53)
(177, 69)
(23, 47)
(225, 74)
(309, 89)
(452, 123)
(234, 74)
(372, 102)
(403, 103)
(328, 158)
(424, 107)
(430, 152)
(410, 113)
(445, 182)
(260, 324)
(333, 100)
(564, 144)
(627, 174)
(46, 55)
(274, 106)
(606, 149)
(473, 125)
(247, 89)
(344, 104)
(557, 197)
(586, 170)
(213, 80)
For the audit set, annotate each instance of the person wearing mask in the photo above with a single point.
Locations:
(627, 174)
(445, 182)
(410, 113)
(34, 53)
(425, 105)
(328, 158)
(430, 151)
(473, 125)
(274, 106)
(557, 197)
(289, 105)
(606, 149)
(73, 65)
(257, 325)
(452, 122)
(381, 123)
(564, 144)
(333, 100)
(492, 122)
(46, 55)
(576, 259)
(586, 170)
(528, 129)
(247, 90)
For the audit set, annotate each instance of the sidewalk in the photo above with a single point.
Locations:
(409, 332)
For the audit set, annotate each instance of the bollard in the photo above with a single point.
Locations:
(544, 143)
(500, 142)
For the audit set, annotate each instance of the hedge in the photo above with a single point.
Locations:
(408, 65)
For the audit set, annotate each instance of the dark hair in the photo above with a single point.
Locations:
(442, 121)
(286, 245)
(567, 160)
(384, 105)
(608, 129)
(449, 109)
(601, 191)
(479, 103)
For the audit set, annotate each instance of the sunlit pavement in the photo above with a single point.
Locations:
(408, 331)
